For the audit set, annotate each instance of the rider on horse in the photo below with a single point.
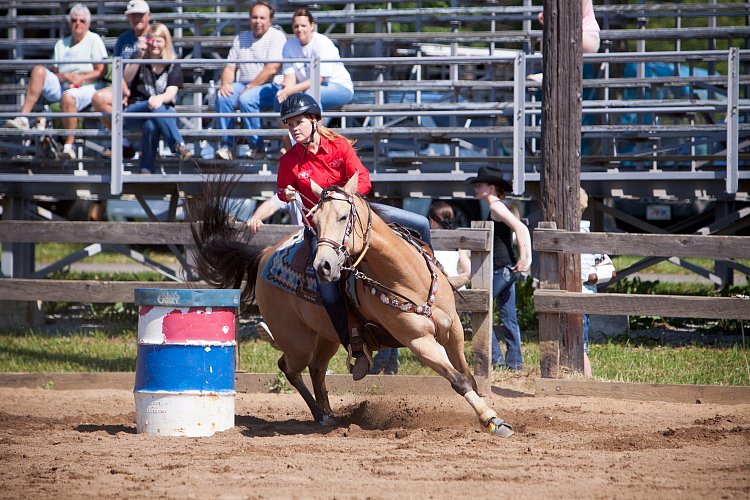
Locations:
(329, 159)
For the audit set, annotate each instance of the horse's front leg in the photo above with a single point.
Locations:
(324, 351)
(294, 376)
(433, 355)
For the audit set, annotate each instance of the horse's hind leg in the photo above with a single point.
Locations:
(430, 352)
(294, 376)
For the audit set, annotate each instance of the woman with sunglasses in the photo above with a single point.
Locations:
(72, 84)
(329, 159)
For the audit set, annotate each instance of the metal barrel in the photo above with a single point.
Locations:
(184, 376)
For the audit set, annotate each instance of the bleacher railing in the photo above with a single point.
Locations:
(514, 99)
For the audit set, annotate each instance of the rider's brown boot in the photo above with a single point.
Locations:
(361, 368)
(359, 350)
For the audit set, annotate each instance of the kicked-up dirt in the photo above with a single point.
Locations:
(83, 444)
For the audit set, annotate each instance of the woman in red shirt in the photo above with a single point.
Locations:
(329, 159)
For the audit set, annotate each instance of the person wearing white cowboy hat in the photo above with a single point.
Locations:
(130, 44)
(491, 186)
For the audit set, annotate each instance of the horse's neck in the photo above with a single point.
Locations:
(391, 255)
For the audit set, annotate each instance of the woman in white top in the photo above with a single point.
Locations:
(336, 87)
(73, 83)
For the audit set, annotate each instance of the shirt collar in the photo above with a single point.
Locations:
(324, 146)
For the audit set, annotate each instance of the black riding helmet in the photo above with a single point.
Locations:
(299, 104)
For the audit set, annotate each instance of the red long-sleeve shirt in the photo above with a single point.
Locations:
(334, 163)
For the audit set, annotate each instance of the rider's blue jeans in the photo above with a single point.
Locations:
(417, 223)
(333, 301)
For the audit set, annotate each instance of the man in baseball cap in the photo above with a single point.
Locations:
(126, 46)
(137, 7)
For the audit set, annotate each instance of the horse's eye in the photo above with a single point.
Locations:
(343, 218)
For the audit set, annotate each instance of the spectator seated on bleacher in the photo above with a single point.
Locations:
(252, 86)
(336, 88)
(153, 87)
(139, 17)
(72, 84)
(590, 40)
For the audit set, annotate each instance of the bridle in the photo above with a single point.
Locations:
(341, 250)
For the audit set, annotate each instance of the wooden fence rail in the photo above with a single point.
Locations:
(477, 300)
(554, 305)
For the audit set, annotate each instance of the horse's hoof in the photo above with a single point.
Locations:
(327, 421)
(499, 427)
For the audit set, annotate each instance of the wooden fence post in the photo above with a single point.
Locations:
(549, 323)
(481, 322)
(561, 161)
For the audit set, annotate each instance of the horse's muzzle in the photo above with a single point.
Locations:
(327, 264)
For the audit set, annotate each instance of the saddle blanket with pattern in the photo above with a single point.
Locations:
(290, 267)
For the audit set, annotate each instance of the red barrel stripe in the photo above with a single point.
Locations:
(199, 325)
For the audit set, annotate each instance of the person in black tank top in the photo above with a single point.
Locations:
(491, 186)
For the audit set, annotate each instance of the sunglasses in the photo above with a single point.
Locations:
(74, 20)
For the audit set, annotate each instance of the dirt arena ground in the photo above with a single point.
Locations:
(83, 444)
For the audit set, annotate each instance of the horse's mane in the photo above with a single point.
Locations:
(223, 255)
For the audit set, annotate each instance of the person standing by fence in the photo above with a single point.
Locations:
(491, 186)
(595, 268)
(251, 86)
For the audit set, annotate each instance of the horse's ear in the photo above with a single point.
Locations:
(351, 184)
(317, 190)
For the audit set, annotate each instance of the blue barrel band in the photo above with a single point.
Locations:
(185, 297)
(168, 367)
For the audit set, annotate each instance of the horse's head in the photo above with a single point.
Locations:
(335, 217)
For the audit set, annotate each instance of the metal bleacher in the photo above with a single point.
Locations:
(439, 92)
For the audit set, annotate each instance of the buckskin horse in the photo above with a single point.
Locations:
(397, 286)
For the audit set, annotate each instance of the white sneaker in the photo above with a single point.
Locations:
(223, 153)
(21, 122)
(535, 77)
(257, 152)
(68, 152)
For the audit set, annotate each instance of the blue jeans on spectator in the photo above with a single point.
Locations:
(333, 95)
(409, 220)
(512, 332)
(153, 129)
(386, 361)
(252, 101)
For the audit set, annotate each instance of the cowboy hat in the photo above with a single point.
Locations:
(491, 175)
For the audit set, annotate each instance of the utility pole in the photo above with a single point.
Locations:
(561, 169)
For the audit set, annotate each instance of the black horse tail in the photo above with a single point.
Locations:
(224, 254)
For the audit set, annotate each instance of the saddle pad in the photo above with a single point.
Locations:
(288, 268)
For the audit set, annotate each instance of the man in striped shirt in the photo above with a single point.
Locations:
(250, 86)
